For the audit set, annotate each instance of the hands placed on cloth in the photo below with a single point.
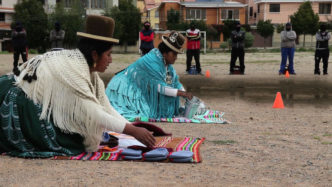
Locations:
(141, 134)
(185, 94)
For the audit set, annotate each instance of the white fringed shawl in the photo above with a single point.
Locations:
(69, 93)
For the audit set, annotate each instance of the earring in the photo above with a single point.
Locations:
(94, 65)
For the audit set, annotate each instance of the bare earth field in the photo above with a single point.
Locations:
(261, 147)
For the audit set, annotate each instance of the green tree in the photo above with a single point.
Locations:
(228, 27)
(127, 22)
(71, 20)
(173, 20)
(280, 27)
(305, 21)
(34, 19)
(265, 29)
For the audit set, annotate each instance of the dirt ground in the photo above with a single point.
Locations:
(261, 147)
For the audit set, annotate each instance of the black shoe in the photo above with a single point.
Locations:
(325, 73)
(16, 71)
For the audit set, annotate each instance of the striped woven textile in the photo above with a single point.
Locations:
(175, 144)
(210, 116)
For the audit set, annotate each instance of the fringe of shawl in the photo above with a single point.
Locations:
(68, 93)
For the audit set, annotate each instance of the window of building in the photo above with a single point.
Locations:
(232, 14)
(258, 9)
(324, 8)
(195, 14)
(156, 14)
(274, 7)
(2, 17)
(156, 25)
(251, 11)
(99, 4)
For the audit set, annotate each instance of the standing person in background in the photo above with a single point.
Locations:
(193, 47)
(57, 36)
(288, 38)
(19, 39)
(322, 49)
(237, 37)
(146, 35)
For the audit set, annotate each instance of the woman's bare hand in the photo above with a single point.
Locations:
(141, 134)
(185, 94)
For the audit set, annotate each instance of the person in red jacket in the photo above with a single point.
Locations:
(193, 47)
(146, 35)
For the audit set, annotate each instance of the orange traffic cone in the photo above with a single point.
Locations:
(278, 103)
(287, 74)
(207, 74)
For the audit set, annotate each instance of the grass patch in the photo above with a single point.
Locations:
(317, 138)
(327, 135)
(224, 142)
(4, 52)
(327, 143)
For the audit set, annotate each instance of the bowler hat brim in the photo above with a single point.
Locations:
(164, 38)
(96, 37)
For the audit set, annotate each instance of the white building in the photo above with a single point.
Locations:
(92, 6)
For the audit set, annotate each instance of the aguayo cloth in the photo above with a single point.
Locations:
(174, 145)
(134, 91)
(69, 96)
(24, 134)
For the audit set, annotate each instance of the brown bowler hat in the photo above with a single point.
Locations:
(99, 28)
(174, 41)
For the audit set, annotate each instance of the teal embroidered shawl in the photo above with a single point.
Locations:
(134, 91)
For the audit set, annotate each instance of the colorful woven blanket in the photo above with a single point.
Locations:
(210, 116)
(173, 144)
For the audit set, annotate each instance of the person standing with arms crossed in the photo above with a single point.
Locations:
(57, 36)
(322, 49)
(193, 47)
(237, 37)
(288, 38)
(19, 39)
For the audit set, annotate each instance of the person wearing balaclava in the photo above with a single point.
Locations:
(19, 40)
(288, 37)
(146, 35)
(322, 49)
(237, 37)
(57, 35)
(193, 47)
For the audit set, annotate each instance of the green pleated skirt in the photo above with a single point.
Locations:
(23, 134)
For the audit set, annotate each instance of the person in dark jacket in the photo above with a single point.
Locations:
(19, 39)
(322, 49)
(237, 37)
(146, 35)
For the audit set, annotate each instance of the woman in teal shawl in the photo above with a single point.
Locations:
(150, 87)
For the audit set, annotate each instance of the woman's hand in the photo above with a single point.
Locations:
(141, 134)
(185, 94)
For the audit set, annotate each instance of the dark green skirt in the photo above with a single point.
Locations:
(23, 134)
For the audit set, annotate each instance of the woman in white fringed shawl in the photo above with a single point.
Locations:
(57, 104)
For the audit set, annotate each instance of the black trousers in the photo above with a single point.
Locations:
(145, 51)
(17, 52)
(237, 53)
(190, 54)
(322, 54)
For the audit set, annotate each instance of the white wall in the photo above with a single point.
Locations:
(8, 3)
